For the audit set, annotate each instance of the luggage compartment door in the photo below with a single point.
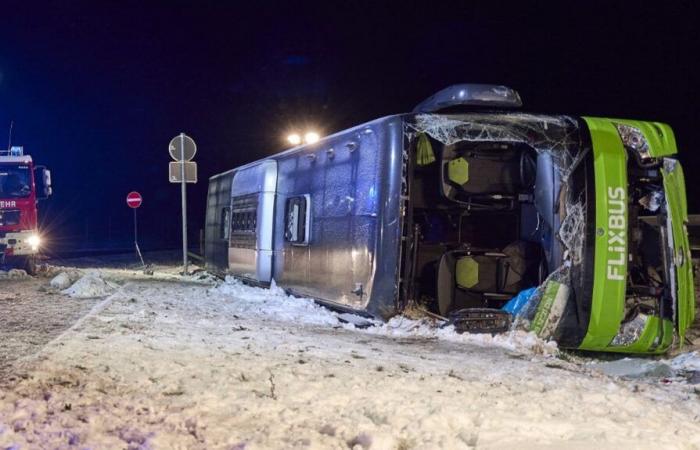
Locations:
(253, 194)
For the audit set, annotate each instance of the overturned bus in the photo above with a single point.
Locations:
(466, 205)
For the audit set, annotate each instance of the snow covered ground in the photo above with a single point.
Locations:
(165, 362)
(31, 315)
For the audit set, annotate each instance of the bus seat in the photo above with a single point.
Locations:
(492, 172)
(486, 277)
(478, 174)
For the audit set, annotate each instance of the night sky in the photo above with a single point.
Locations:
(97, 89)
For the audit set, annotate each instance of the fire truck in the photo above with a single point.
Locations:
(22, 185)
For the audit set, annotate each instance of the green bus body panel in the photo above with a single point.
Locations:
(607, 307)
(674, 185)
(610, 166)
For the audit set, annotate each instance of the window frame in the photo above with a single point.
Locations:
(303, 217)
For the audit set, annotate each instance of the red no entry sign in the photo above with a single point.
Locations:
(134, 199)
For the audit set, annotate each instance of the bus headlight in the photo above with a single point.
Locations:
(34, 241)
(633, 139)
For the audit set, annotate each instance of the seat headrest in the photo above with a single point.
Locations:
(458, 171)
(467, 272)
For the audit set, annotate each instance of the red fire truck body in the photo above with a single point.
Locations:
(22, 185)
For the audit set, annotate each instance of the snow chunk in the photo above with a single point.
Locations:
(634, 368)
(61, 281)
(516, 340)
(90, 285)
(682, 365)
(686, 362)
(274, 303)
(13, 274)
(17, 273)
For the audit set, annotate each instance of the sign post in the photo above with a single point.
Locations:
(182, 149)
(134, 200)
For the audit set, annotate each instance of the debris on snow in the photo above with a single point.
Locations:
(200, 276)
(357, 321)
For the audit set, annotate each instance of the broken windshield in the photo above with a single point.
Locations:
(15, 181)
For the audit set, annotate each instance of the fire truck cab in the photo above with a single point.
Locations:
(22, 185)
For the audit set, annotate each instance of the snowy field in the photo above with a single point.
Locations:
(162, 362)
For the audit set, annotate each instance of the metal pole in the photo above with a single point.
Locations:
(136, 240)
(184, 203)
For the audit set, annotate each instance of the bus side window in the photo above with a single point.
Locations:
(297, 220)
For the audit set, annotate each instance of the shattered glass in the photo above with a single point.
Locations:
(633, 138)
(571, 231)
(556, 135)
(631, 331)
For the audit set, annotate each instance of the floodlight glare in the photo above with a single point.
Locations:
(311, 137)
(34, 241)
(294, 139)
